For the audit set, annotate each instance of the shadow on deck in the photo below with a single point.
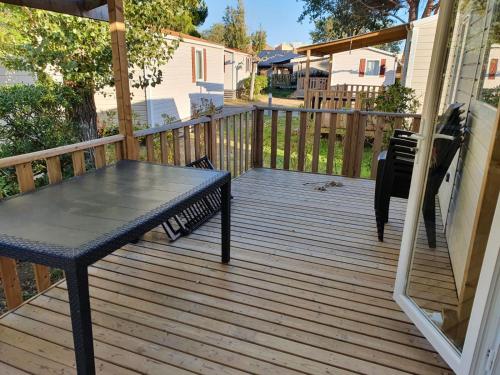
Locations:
(308, 291)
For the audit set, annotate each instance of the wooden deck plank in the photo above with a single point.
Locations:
(308, 291)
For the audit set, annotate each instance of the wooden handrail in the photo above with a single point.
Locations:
(12, 161)
(337, 111)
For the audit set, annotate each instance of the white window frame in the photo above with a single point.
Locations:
(198, 69)
(377, 70)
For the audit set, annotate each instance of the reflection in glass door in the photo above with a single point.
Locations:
(445, 265)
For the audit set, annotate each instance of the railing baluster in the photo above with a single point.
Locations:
(415, 125)
(377, 144)
(187, 144)
(119, 151)
(359, 143)
(26, 183)
(100, 156)
(177, 147)
(288, 139)
(10, 281)
(220, 126)
(242, 146)
(302, 141)
(316, 142)
(197, 141)
(227, 129)
(247, 139)
(78, 158)
(54, 170)
(164, 147)
(332, 138)
(274, 137)
(235, 148)
(150, 150)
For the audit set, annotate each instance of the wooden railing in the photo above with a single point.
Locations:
(226, 138)
(330, 141)
(104, 151)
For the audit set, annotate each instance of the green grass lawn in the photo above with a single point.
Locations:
(339, 148)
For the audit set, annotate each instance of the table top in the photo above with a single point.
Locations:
(90, 215)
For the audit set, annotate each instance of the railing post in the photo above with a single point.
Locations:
(120, 74)
(353, 144)
(258, 139)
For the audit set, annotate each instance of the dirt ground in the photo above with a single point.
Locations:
(263, 100)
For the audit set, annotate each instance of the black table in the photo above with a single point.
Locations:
(73, 224)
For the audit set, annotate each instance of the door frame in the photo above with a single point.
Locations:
(471, 356)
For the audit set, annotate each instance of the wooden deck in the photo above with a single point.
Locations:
(308, 291)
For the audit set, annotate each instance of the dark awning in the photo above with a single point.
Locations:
(95, 9)
(374, 38)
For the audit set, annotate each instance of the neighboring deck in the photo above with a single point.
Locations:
(308, 291)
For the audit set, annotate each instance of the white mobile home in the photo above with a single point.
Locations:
(192, 78)
(237, 67)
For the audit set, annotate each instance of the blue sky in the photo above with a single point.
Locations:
(278, 18)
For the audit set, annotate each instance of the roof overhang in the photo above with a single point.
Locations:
(373, 38)
(95, 9)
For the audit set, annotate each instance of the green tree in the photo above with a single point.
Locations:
(79, 50)
(235, 29)
(334, 19)
(259, 40)
(215, 33)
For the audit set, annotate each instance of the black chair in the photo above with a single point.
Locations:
(395, 168)
(197, 213)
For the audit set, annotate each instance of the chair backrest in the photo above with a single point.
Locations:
(444, 150)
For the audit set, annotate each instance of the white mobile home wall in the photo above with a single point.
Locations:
(237, 67)
(419, 59)
(346, 67)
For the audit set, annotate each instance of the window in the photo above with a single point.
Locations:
(372, 68)
(489, 84)
(199, 65)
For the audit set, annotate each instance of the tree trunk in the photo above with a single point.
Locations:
(428, 8)
(413, 10)
(252, 80)
(84, 114)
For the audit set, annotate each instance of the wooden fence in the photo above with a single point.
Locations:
(315, 83)
(343, 96)
(236, 140)
(284, 81)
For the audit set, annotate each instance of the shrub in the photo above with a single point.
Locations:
(395, 98)
(261, 83)
(33, 118)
